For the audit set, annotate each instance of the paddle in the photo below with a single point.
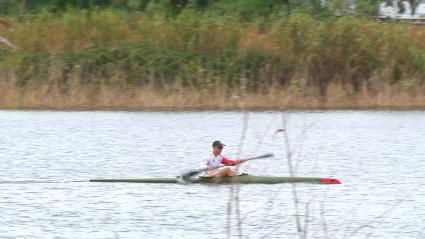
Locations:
(197, 171)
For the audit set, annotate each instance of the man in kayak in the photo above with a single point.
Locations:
(215, 159)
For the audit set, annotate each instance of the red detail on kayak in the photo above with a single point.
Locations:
(330, 181)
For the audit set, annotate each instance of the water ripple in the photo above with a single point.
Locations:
(48, 157)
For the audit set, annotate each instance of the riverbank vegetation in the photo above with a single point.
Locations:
(198, 54)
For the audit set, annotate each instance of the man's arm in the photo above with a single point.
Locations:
(204, 165)
(227, 161)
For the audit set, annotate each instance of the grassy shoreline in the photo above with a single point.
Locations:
(146, 100)
(105, 59)
(204, 109)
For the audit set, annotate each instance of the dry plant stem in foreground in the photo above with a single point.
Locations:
(235, 189)
(292, 164)
(289, 159)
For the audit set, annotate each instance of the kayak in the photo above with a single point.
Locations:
(243, 179)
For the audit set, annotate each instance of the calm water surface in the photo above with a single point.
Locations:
(47, 158)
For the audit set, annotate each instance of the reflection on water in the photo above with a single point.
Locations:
(47, 158)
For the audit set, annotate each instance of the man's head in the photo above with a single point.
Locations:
(217, 147)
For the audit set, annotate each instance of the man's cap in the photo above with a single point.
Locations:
(217, 143)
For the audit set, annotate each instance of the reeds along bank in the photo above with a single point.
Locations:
(192, 52)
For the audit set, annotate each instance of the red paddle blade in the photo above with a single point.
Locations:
(330, 181)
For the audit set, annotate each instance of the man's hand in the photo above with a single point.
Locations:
(242, 160)
(210, 167)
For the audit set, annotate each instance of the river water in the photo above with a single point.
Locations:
(47, 158)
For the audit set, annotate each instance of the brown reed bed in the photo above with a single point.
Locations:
(106, 97)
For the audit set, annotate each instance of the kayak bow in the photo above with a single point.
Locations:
(244, 179)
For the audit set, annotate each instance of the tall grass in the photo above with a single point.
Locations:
(108, 56)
